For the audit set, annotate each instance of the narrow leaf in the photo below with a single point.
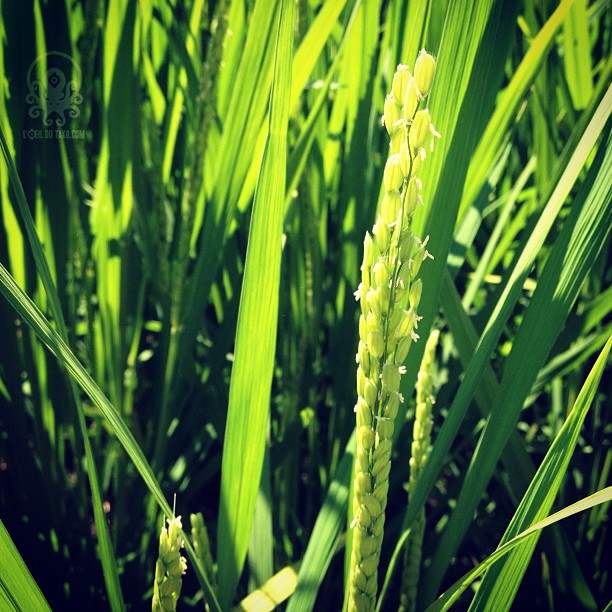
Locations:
(445, 601)
(18, 590)
(249, 398)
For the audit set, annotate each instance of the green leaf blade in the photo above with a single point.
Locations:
(18, 590)
(251, 380)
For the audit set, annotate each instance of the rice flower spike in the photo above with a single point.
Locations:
(421, 446)
(389, 295)
(201, 544)
(169, 568)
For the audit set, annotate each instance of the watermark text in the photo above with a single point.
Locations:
(52, 134)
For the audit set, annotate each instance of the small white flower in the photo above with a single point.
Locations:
(358, 293)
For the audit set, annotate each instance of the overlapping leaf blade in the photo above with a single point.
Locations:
(249, 399)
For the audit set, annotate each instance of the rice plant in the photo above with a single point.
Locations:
(185, 188)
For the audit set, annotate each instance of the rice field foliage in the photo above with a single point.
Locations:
(184, 193)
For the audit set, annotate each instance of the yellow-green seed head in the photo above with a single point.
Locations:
(424, 72)
(364, 518)
(373, 323)
(381, 470)
(382, 233)
(385, 329)
(382, 450)
(392, 176)
(364, 412)
(411, 100)
(390, 378)
(384, 426)
(363, 483)
(363, 460)
(400, 82)
(422, 412)
(404, 329)
(360, 579)
(376, 344)
(368, 546)
(365, 279)
(361, 603)
(168, 603)
(396, 317)
(370, 393)
(381, 491)
(402, 283)
(419, 129)
(412, 196)
(363, 357)
(392, 406)
(398, 136)
(361, 378)
(382, 274)
(402, 350)
(373, 505)
(368, 250)
(409, 163)
(363, 328)
(393, 113)
(169, 568)
(378, 526)
(383, 293)
(374, 302)
(407, 242)
(416, 290)
(365, 437)
(391, 205)
(417, 259)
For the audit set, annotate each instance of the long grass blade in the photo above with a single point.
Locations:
(107, 556)
(462, 125)
(569, 263)
(322, 544)
(18, 590)
(536, 502)
(250, 385)
(497, 128)
(501, 582)
(577, 56)
(30, 313)
(503, 307)
(445, 601)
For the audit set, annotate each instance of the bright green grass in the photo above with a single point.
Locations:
(177, 311)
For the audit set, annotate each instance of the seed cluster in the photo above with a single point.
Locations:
(169, 568)
(389, 274)
(421, 444)
(201, 545)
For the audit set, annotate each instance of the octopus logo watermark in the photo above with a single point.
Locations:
(54, 83)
